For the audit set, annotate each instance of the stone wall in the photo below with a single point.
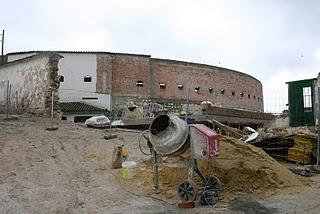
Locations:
(32, 81)
(162, 78)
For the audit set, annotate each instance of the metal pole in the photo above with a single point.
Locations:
(318, 143)
(155, 171)
(8, 99)
(9, 112)
(188, 94)
(52, 109)
(2, 45)
(110, 115)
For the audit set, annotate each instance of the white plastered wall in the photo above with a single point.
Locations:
(74, 67)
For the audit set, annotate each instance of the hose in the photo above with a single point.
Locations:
(142, 135)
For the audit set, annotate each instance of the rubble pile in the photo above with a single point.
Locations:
(291, 144)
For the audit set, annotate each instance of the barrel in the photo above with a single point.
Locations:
(168, 134)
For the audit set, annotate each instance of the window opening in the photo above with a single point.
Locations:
(197, 89)
(87, 78)
(61, 78)
(162, 86)
(307, 101)
(139, 83)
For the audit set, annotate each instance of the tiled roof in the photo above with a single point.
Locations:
(79, 107)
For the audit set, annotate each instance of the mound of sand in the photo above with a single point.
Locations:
(241, 167)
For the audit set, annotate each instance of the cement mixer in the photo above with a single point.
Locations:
(170, 136)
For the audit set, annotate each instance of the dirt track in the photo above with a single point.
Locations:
(68, 171)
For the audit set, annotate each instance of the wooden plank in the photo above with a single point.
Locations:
(236, 132)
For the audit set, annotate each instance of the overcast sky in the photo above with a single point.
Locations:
(274, 41)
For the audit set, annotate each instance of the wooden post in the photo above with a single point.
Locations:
(2, 47)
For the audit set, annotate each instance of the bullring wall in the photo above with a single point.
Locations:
(126, 71)
(230, 89)
(226, 85)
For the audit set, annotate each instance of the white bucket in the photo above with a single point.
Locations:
(128, 169)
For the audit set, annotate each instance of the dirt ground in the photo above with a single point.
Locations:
(68, 171)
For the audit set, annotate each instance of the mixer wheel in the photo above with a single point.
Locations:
(187, 191)
(211, 191)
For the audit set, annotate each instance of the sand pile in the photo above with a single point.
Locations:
(240, 167)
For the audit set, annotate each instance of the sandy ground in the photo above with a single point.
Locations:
(68, 171)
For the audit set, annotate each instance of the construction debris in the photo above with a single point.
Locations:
(299, 148)
(304, 145)
(302, 170)
(252, 136)
(229, 131)
(98, 122)
(109, 136)
(120, 154)
(292, 144)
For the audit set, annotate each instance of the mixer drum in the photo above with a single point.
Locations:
(168, 134)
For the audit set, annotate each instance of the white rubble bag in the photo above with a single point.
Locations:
(117, 123)
(97, 121)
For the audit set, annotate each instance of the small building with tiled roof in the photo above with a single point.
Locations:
(79, 112)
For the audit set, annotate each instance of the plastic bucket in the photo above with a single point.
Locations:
(128, 169)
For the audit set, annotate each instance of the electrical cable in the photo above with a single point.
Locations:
(142, 135)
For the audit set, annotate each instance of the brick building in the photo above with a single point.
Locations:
(105, 79)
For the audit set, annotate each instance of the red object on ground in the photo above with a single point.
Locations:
(186, 205)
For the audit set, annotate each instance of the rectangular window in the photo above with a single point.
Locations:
(307, 101)
(197, 89)
(139, 83)
(89, 98)
(162, 86)
(87, 78)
